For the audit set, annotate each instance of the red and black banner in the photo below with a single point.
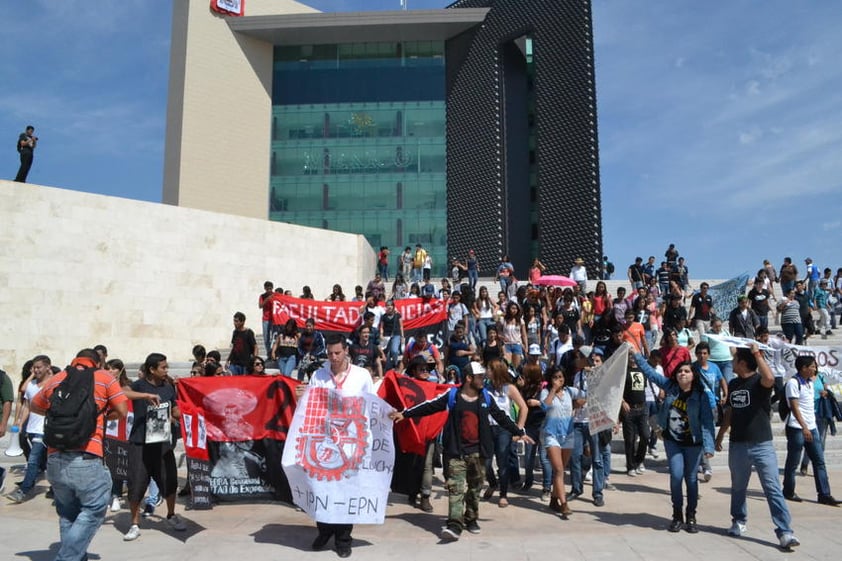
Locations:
(421, 317)
(233, 429)
(402, 392)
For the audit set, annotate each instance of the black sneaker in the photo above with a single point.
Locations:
(828, 500)
(450, 533)
(794, 498)
(472, 527)
(675, 525)
(49, 494)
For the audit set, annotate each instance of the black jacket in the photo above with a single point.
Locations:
(451, 434)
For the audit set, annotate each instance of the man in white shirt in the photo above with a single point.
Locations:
(36, 463)
(580, 274)
(338, 373)
(802, 433)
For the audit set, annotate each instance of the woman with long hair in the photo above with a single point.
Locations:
(687, 421)
(400, 289)
(336, 295)
(602, 303)
(505, 393)
(484, 310)
(533, 383)
(414, 291)
(493, 347)
(533, 327)
(257, 367)
(285, 350)
(514, 334)
(558, 401)
(672, 354)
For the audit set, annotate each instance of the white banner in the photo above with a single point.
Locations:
(339, 456)
(605, 390)
(740, 342)
(827, 359)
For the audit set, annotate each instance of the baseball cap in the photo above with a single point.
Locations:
(473, 369)
(535, 349)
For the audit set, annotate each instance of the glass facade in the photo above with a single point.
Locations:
(358, 143)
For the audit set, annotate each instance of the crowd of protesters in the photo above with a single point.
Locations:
(531, 348)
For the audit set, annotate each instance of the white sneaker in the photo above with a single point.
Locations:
(115, 504)
(788, 540)
(707, 475)
(632, 473)
(132, 534)
(176, 523)
(640, 470)
(653, 452)
(737, 529)
(589, 475)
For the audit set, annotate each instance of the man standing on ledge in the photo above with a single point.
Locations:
(26, 146)
(747, 414)
(338, 374)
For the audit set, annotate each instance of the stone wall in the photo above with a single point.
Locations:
(78, 269)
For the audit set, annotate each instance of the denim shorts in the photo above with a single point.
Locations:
(513, 348)
(566, 442)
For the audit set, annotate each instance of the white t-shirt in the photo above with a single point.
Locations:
(356, 382)
(804, 392)
(378, 312)
(35, 423)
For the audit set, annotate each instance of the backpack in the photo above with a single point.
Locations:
(451, 398)
(783, 402)
(72, 417)
(609, 267)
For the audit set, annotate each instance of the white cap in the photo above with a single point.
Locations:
(476, 368)
(535, 349)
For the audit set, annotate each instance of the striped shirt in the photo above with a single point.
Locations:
(107, 392)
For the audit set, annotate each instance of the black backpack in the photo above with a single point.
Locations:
(72, 417)
(783, 402)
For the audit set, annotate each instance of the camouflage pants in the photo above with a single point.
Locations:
(465, 476)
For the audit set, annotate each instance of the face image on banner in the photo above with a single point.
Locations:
(339, 456)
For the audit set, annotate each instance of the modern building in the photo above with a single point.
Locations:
(468, 127)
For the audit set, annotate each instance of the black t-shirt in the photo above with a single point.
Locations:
(242, 347)
(468, 414)
(389, 324)
(678, 423)
(24, 138)
(635, 390)
(492, 352)
(636, 272)
(750, 408)
(673, 314)
(759, 301)
(364, 356)
(165, 392)
(702, 306)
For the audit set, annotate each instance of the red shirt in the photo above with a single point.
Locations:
(267, 303)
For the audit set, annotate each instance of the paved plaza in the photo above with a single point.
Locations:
(631, 525)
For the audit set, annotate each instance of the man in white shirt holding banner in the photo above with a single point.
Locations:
(339, 453)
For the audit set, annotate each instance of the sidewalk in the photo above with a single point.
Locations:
(631, 525)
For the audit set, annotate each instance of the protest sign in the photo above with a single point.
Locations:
(340, 456)
(605, 390)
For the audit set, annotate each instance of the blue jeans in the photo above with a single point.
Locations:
(267, 336)
(393, 352)
(82, 487)
(582, 434)
(683, 462)
(505, 282)
(152, 492)
(236, 369)
(287, 365)
(741, 457)
(530, 453)
(727, 369)
(473, 277)
(502, 449)
(37, 453)
(763, 320)
(482, 326)
(383, 270)
(794, 444)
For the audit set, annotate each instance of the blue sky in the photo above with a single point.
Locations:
(720, 124)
